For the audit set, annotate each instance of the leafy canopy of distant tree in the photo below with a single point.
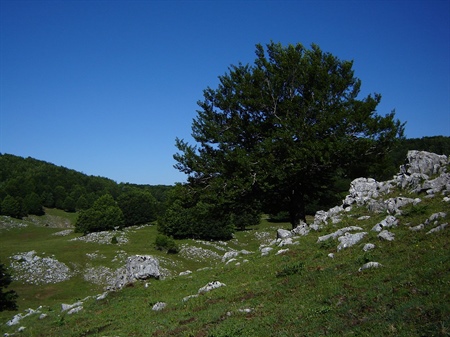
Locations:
(274, 136)
(104, 215)
(27, 185)
(7, 298)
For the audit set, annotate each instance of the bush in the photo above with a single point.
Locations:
(103, 215)
(163, 242)
(7, 298)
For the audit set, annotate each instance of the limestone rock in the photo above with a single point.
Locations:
(437, 229)
(388, 222)
(386, 235)
(159, 306)
(283, 233)
(369, 265)
(229, 255)
(368, 246)
(138, 267)
(349, 240)
(211, 286)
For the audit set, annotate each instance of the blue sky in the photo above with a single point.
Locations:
(105, 87)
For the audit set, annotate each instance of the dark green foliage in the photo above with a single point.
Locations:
(69, 204)
(283, 132)
(11, 207)
(291, 269)
(114, 240)
(24, 178)
(138, 207)
(32, 204)
(195, 215)
(163, 242)
(7, 298)
(103, 215)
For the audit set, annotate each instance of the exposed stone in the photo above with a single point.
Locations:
(349, 240)
(369, 265)
(184, 273)
(388, 222)
(189, 297)
(302, 229)
(368, 246)
(66, 307)
(283, 233)
(386, 235)
(417, 228)
(159, 306)
(102, 296)
(425, 162)
(437, 229)
(75, 310)
(338, 233)
(282, 251)
(265, 250)
(138, 267)
(33, 269)
(211, 286)
(229, 255)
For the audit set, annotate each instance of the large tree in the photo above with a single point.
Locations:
(281, 130)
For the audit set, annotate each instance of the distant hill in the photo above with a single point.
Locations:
(29, 184)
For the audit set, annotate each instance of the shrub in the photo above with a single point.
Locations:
(163, 242)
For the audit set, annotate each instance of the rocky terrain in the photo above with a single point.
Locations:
(424, 176)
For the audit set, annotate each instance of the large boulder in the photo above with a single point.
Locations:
(138, 267)
(423, 162)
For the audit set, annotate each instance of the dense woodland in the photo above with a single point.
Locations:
(29, 185)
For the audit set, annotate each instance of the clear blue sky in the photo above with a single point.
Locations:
(105, 87)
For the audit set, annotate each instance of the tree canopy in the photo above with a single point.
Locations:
(277, 133)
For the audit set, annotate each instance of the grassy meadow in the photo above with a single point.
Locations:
(301, 292)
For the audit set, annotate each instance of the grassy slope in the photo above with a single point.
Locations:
(300, 293)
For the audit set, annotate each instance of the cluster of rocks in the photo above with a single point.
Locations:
(69, 309)
(64, 232)
(33, 269)
(198, 253)
(7, 223)
(414, 177)
(104, 237)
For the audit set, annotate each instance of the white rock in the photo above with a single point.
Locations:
(368, 246)
(229, 255)
(438, 228)
(369, 265)
(189, 297)
(102, 296)
(211, 286)
(282, 251)
(75, 310)
(386, 235)
(349, 240)
(187, 272)
(159, 306)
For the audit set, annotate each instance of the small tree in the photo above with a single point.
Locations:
(138, 207)
(103, 215)
(7, 298)
(11, 207)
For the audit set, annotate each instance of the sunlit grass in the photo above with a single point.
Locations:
(302, 292)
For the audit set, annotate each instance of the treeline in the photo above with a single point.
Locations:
(28, 185)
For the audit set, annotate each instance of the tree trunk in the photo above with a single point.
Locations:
(296, 208)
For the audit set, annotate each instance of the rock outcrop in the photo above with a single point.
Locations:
(138, 267)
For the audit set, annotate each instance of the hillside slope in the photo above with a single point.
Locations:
(377, 265)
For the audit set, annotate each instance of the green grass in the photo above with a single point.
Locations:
(302, 292)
